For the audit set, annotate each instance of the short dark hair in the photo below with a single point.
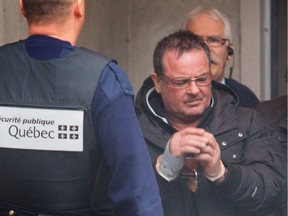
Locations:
(44, 11)
(180, 42)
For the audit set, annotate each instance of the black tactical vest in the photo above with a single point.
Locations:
(50, 180)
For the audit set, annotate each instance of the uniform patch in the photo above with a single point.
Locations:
(41, 129)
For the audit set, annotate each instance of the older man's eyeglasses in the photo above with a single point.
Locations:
(184, 82)
(215, 41)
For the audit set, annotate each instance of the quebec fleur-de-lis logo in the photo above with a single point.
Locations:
(68, 132)
(73, 132)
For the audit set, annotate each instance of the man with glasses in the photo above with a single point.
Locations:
(211, 157)
(214, 27)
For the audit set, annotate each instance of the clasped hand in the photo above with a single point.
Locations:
(201, 144)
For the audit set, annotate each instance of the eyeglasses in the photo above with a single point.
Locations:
(184, 82)
(215, 41)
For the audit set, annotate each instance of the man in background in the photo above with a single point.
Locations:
(214, 27)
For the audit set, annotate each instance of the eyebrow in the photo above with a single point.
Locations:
(204, 74)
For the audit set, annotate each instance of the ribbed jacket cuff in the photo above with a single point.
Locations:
(168, 166)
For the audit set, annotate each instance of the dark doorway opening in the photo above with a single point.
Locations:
(278, 48)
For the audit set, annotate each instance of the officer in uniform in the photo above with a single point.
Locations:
(70, 140)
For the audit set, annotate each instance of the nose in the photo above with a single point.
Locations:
(210, 47)
(205, 40)
(193, 88)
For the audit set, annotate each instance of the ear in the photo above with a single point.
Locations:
(231, 45)
(22, 8)
(79, 8)
(156, 81)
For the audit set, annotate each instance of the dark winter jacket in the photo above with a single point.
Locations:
(247, 98)
(249, 149)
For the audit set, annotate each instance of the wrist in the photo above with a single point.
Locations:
(168, 166)
(220, 176)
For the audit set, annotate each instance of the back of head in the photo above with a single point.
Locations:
(180, 42)
(46, 11)
(214, 14)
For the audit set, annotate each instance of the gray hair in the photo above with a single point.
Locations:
(214, 14)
